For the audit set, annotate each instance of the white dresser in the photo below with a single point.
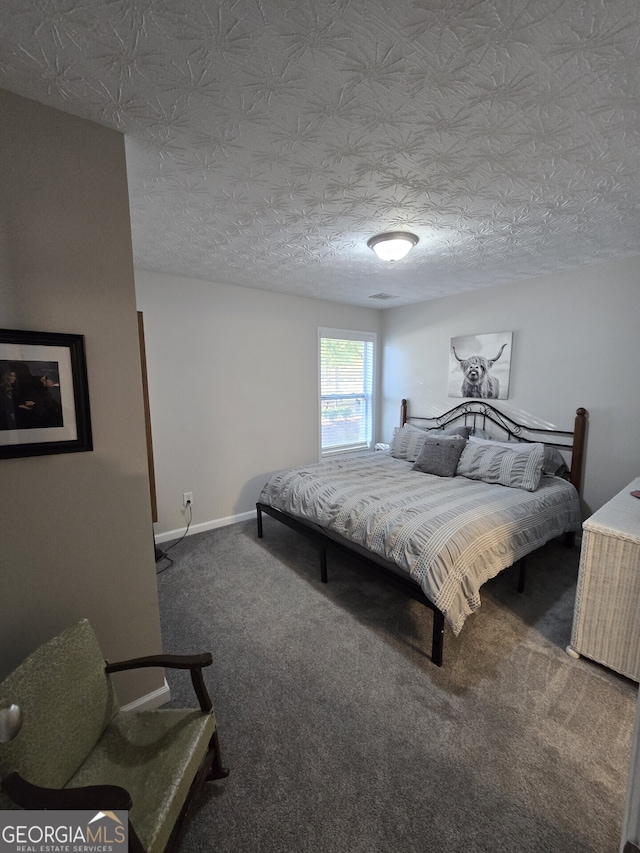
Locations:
(606, 619)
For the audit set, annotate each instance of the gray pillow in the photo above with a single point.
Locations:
(407, 442)
(478, 432)
(518, 466)
(439, 455)
(464, 431)
(554, 463)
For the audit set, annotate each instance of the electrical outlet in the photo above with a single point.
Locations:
(187, 499)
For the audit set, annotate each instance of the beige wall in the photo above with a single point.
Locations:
(575, 343)
(233, 388)
(76, 532)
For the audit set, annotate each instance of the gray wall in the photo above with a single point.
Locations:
(233, 376)
(233, 388)
(76, 532)
(575, 343)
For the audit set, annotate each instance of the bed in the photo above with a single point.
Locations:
(451, 502)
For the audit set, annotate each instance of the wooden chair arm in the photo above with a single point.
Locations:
(168, 661)
(29, 796)
(194, 663)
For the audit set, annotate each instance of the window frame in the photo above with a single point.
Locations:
(348, 335)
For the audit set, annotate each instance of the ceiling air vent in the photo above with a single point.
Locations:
(383, 296)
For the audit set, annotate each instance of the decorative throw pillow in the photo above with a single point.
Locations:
(553, 462)
(407, 442)
(512, 464)
(439, 455)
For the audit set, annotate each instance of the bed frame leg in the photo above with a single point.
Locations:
(569, 539)
(522, 574)
(259, 520)
(437, 639)
(323, 565)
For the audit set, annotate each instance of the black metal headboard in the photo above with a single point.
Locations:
(479, 414)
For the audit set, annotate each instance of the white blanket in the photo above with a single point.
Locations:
(449, 534)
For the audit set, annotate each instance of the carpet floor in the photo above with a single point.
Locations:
(343, 737)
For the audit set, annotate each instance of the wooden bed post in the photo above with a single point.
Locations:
(403, 412)
(577, 456)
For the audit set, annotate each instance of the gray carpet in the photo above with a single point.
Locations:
(343, 737)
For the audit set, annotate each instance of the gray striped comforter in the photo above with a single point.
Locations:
(450, 534)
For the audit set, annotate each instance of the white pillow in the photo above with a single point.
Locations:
(505, 463)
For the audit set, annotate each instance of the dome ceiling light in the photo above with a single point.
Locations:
(392, 246)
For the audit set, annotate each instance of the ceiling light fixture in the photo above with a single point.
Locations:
(393, 245)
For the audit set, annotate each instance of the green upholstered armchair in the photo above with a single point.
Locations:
(64, 743)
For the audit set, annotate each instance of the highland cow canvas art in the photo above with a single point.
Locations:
(480, 365)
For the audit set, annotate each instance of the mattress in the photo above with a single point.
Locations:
(448, 534)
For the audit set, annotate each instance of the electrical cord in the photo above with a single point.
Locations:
(177, 542)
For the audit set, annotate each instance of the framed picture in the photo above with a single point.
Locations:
(44, 395)
(479, 366)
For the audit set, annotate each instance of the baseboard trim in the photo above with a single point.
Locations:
(151, 700)
(205, 525)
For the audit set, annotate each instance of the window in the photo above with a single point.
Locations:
(346, 389)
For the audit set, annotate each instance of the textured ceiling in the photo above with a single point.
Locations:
(267, 140)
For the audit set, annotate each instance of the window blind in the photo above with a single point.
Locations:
(346, 390)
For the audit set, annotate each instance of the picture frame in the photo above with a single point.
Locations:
(480, 366)
(44, 394)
